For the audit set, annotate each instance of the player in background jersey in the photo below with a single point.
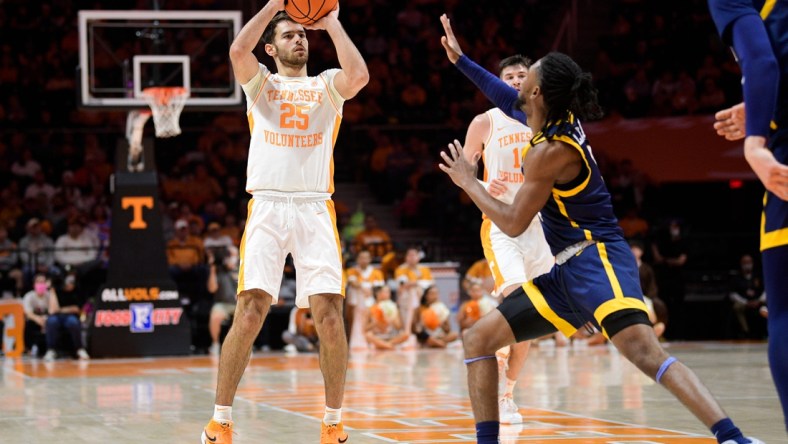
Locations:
(595, 278)
(499, 140)
(758, 32)
(293, 120)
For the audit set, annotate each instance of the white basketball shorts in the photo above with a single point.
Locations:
(302, 224)
(516, 260)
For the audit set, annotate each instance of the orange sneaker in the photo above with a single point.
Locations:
(217, 433)
(332, 434)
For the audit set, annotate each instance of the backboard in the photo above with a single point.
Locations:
(123, 52)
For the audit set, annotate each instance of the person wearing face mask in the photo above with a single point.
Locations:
(45, 312)
(36, 306)
(670, 257)
(748, 297)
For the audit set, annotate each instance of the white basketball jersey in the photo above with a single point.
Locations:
(503, 150)
(294, 123)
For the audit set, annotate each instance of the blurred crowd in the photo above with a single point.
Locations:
(58, 158)
(668, 60)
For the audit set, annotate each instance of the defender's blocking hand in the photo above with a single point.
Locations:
(450, 42)
(461, 172)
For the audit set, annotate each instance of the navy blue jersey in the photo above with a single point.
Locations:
(580, 209)
(774, 14)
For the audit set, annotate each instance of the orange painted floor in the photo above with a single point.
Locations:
(566, 395)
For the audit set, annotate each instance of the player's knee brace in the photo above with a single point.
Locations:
(478, 358)
(664, 367)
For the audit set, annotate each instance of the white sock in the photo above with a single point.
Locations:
(509, 386)
(332, 416)
(222, 413)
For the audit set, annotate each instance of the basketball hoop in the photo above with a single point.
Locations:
(166, 102)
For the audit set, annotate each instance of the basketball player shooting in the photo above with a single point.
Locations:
(294, 119)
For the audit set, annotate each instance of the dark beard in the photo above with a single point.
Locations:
(294, 61)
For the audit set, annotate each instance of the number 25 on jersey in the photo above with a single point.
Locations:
(294, 116)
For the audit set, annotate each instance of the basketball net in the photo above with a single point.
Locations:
(166, 104)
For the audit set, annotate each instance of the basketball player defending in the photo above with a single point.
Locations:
(294, 120)
(499, 140)
(595, 278)
(760, 39)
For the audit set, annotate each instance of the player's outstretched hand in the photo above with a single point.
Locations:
(497, 188)
(278, 5)
(772, 173)
(461, 172)
(323, 22)
(450, 42)
(730, 122)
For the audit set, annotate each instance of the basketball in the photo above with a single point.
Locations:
(430, 319)
(307, 12)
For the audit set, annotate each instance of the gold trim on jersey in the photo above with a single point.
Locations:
(489, 254)
(773, 125)
(619, 302)
(613, 305)
(332, 212)
(259, 93)
(611, 274)
(242, 266)
(767, 9)
(337, 122)
(330, 98)
(562, 209)
(581, 187)
(537, 298)
(250, 118)
(774, 238)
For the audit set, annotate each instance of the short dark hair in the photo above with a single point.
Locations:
(515, 60)
(270, 30)
(567, 88)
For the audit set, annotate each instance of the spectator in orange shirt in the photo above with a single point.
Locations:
(373, 239)
(184, 252)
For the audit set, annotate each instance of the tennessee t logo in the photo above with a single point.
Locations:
(137, 203)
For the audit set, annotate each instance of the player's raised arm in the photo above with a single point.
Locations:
(354, 74)
(245, 64)
(499, 93)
